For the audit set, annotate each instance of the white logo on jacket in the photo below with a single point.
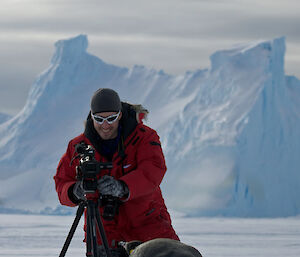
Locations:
(126, 166)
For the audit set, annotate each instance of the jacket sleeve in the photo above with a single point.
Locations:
(65, 177)
(151, 168)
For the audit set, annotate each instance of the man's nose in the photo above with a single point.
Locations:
(105, 124)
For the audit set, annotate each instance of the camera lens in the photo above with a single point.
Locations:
(111, 206)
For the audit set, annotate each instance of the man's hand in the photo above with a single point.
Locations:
(108, 185)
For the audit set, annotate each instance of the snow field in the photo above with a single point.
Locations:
(40, 236)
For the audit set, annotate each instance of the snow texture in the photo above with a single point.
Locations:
(230, 133)
(40, 236)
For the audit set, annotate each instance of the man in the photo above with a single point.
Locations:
(116, 132)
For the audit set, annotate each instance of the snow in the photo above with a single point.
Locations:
(229, 133)
(39, 236)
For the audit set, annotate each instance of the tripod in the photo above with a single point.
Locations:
(93, 217)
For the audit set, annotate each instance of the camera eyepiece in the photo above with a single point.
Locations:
(83, 148)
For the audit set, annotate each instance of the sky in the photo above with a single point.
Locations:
(173, 35)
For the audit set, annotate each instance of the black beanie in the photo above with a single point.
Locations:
(105, 100)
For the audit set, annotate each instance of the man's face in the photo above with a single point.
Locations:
(109, 128)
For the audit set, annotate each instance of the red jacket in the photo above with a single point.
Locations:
(141, 165)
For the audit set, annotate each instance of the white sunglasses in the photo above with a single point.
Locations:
(110, 119)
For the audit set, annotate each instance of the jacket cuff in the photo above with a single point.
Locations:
(71, 195)
(65, 197)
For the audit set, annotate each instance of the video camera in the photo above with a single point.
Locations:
(88, 167)
(87, 172)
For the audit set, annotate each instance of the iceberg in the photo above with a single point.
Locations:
(229, 132)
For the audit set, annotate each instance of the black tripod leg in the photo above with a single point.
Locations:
(92, 245)
(102, 232)
(88, 233)
(73, 228)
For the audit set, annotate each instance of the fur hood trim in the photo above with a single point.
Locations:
(141, 112)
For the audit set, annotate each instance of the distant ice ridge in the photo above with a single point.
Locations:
(230, 133)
